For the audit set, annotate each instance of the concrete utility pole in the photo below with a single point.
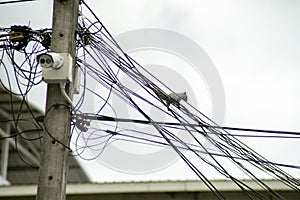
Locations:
(54, 164)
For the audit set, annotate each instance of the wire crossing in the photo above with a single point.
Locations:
(108, 87)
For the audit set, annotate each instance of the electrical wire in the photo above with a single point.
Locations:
(14, 2)
(121, 79)
(111, 63)
(19, 47)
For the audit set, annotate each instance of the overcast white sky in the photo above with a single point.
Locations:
(254, 45)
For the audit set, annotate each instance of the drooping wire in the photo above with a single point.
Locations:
(19, 46)
(110, 63)
(103, 63)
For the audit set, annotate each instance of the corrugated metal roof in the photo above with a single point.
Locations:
(24, 150)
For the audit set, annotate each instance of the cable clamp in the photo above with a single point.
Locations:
(81, 123)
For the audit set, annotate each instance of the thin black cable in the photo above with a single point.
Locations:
(46, 129)
(16, 1)
(226, 143)
(108, 118)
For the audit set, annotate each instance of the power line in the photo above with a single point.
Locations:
(103, 49)
(108, 118)
(108, 62)
(17, 1)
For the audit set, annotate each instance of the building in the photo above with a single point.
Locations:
(161, 190)
(20, 153)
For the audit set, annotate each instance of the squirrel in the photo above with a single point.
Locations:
(172, 97)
